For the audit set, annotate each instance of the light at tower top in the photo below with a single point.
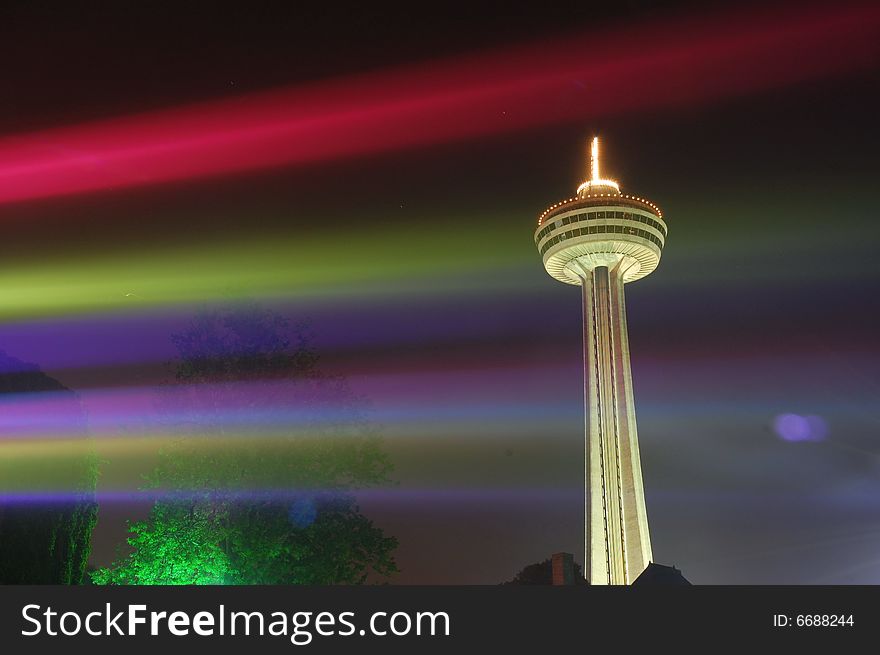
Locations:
(600, 226)
(596, 184)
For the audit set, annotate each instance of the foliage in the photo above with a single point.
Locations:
(177, 545)
(43, 542)
(264, 503)
(201, 543)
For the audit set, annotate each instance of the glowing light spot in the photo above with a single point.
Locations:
(794, 427)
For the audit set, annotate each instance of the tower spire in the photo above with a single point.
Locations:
(594, 160)
(595, 185)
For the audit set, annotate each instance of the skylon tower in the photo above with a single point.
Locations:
(601, 240)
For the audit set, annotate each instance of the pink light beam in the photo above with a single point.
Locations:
(644, 67)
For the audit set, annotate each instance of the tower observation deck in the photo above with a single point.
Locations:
(601, 239)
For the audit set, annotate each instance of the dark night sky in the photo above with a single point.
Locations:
(765, 302)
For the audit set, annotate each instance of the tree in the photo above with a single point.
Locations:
(259, 482)
(44, 540)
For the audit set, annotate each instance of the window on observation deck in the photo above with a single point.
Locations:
(601, 229)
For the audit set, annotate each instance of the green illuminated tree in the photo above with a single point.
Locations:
(178, 544)
(255, 500)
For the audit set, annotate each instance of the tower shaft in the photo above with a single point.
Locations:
(618, 546)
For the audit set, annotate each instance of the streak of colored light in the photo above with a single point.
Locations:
(216, 409)
(395, 495)
(414, 405)
(129, 414)
(662, 65)
(381, 261)
(285, 495)
(280, 267)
